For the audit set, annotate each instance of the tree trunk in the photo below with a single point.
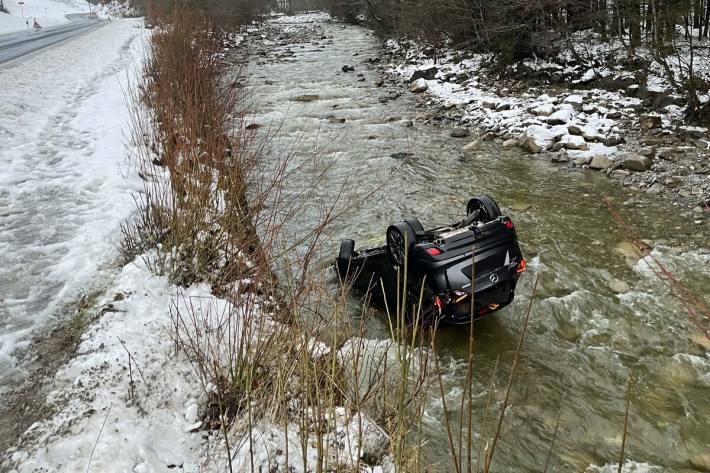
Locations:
(635, 22)
(602, 19)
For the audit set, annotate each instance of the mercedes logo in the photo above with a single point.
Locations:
(494, 278)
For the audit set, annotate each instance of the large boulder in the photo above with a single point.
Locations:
(636, 162)
(428, 74)
(599, 162)
(419, 86)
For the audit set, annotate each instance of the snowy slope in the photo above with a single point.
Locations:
(46, 12)
(63, 185)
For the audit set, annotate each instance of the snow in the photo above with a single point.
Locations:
(629, 466)
(112, 421)
(64, 189)
(46, 12)
(312, 17)
(147, 432)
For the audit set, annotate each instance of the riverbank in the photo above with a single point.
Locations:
(637, 136)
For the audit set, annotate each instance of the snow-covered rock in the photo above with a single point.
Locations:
(560, 117)
(419, 86)
(544, 110)
(573, 142)
(575, 101)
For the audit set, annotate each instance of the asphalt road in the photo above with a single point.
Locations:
(18, 44)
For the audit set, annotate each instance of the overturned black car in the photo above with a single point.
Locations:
(438, 265)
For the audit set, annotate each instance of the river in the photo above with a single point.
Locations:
(600, 314)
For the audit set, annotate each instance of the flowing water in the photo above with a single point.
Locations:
(585, 339)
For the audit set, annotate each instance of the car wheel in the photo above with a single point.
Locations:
(347, 247)
(485, 205)
(415, 224)
(400, 238)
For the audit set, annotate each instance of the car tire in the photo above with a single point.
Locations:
(485, 203)
(347, 248)
(400, 239)
(415, 224)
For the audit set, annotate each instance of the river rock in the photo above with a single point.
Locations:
(619, 286)
(459, 132)
(306, 98)
(520, 206)
(629, 251)
(700, 144)
(651, 140)
(655, 189)
(528, 144)
(636, 162)
(613, 140)
(582, 161)
(701, 461)
(336, 120)
(649, 122)
(428, 74)
(701, 340)
(560, 157)
(648, 151)
(574, 130)
(475, 145)
(560, 117)
(599, 162)
(487, 103)
(575, 101)
(502, 107)
(510, 142)
(574, 142)
(347, 68)
(402, 155)
(544, 110)
(368, 438)
(419, 86)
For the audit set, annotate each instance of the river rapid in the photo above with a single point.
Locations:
(600, 314)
